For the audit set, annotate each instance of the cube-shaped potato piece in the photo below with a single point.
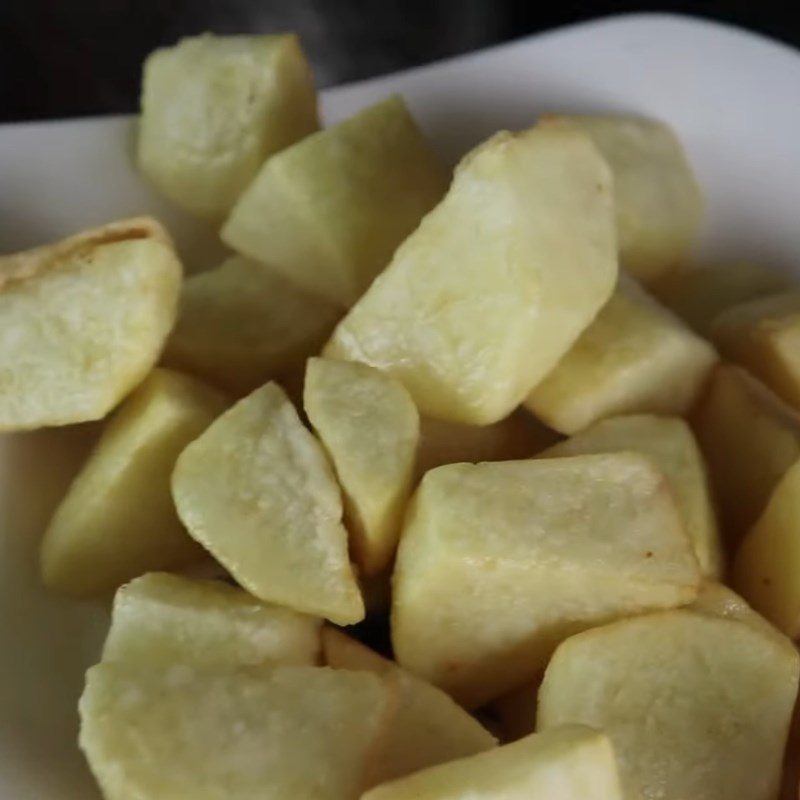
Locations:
(569, 763)
(699, 295)
(214, 107)
(427, 726)
(369, 426)
(669, 441)
(636, 357)
(658, 201)
(498, 281)
(750, 439)
(763, 336)
(118, 520)
(329, 212)
(696, 706)
(221, 734)
(243, 323)
(257, 491)
(84, 320)
(499, 562)
(160, 620)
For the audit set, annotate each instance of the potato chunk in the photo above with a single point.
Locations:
(257, 491)
(329, 212)
(369, 425)
(669, 441)
(242, 323)
(635, 357)
(160, 620)
(293, 732)
(500, 562)
(213, 108)
(695, 706)
(84, 320)
(570, 763)
(118, 520)
(498, 281)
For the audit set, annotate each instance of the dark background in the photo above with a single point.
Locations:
(73, 57)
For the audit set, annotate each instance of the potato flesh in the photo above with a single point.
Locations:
(256, 490)
(570, 763)
(496, 562)
(117, 519)
(636, 357)
(160, 620)
(84, 320)
(369, 426)
(695, 706)
(221, 734)
(329, 212)
(482, 300)
(213, 108)
(241, 324)
(671, 444)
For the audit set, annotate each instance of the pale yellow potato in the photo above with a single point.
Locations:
(763, 335)
(498, 281)
(369, 426)
(214, 107)
(427, 727)
(571, 763)
(160, 620)
(243, 323)
(669, 441)
(658, 201)
(696, 706)
(749, 439)
(117, 519)
(698, 295)
(635, 357)
(257, 491)
(84, 320)
(329, 212)
(500, 562)
(179, 733)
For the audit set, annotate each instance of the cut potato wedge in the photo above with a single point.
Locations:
(635, 357)
(369, 425)
(329, 212)
(214, 107)
(427, 728)
(669, 441)
(217, 735)
(571, 763)
(118, 520)
(498, 281)
(695, 706)
(498, 563)
(241, 324)
(257, 491)
(84, 320)
(160, 620)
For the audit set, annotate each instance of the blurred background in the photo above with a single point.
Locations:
(63, 58)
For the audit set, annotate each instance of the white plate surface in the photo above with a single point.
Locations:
(732, 96)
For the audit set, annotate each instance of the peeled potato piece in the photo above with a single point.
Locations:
(241, 324)
(83, 322)
(695, 706)
(293, 732)
(498, 281)
(499, 562)
(257, 491)
(329, 212)
(214, 107)
(636, 357)
(118, 520)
